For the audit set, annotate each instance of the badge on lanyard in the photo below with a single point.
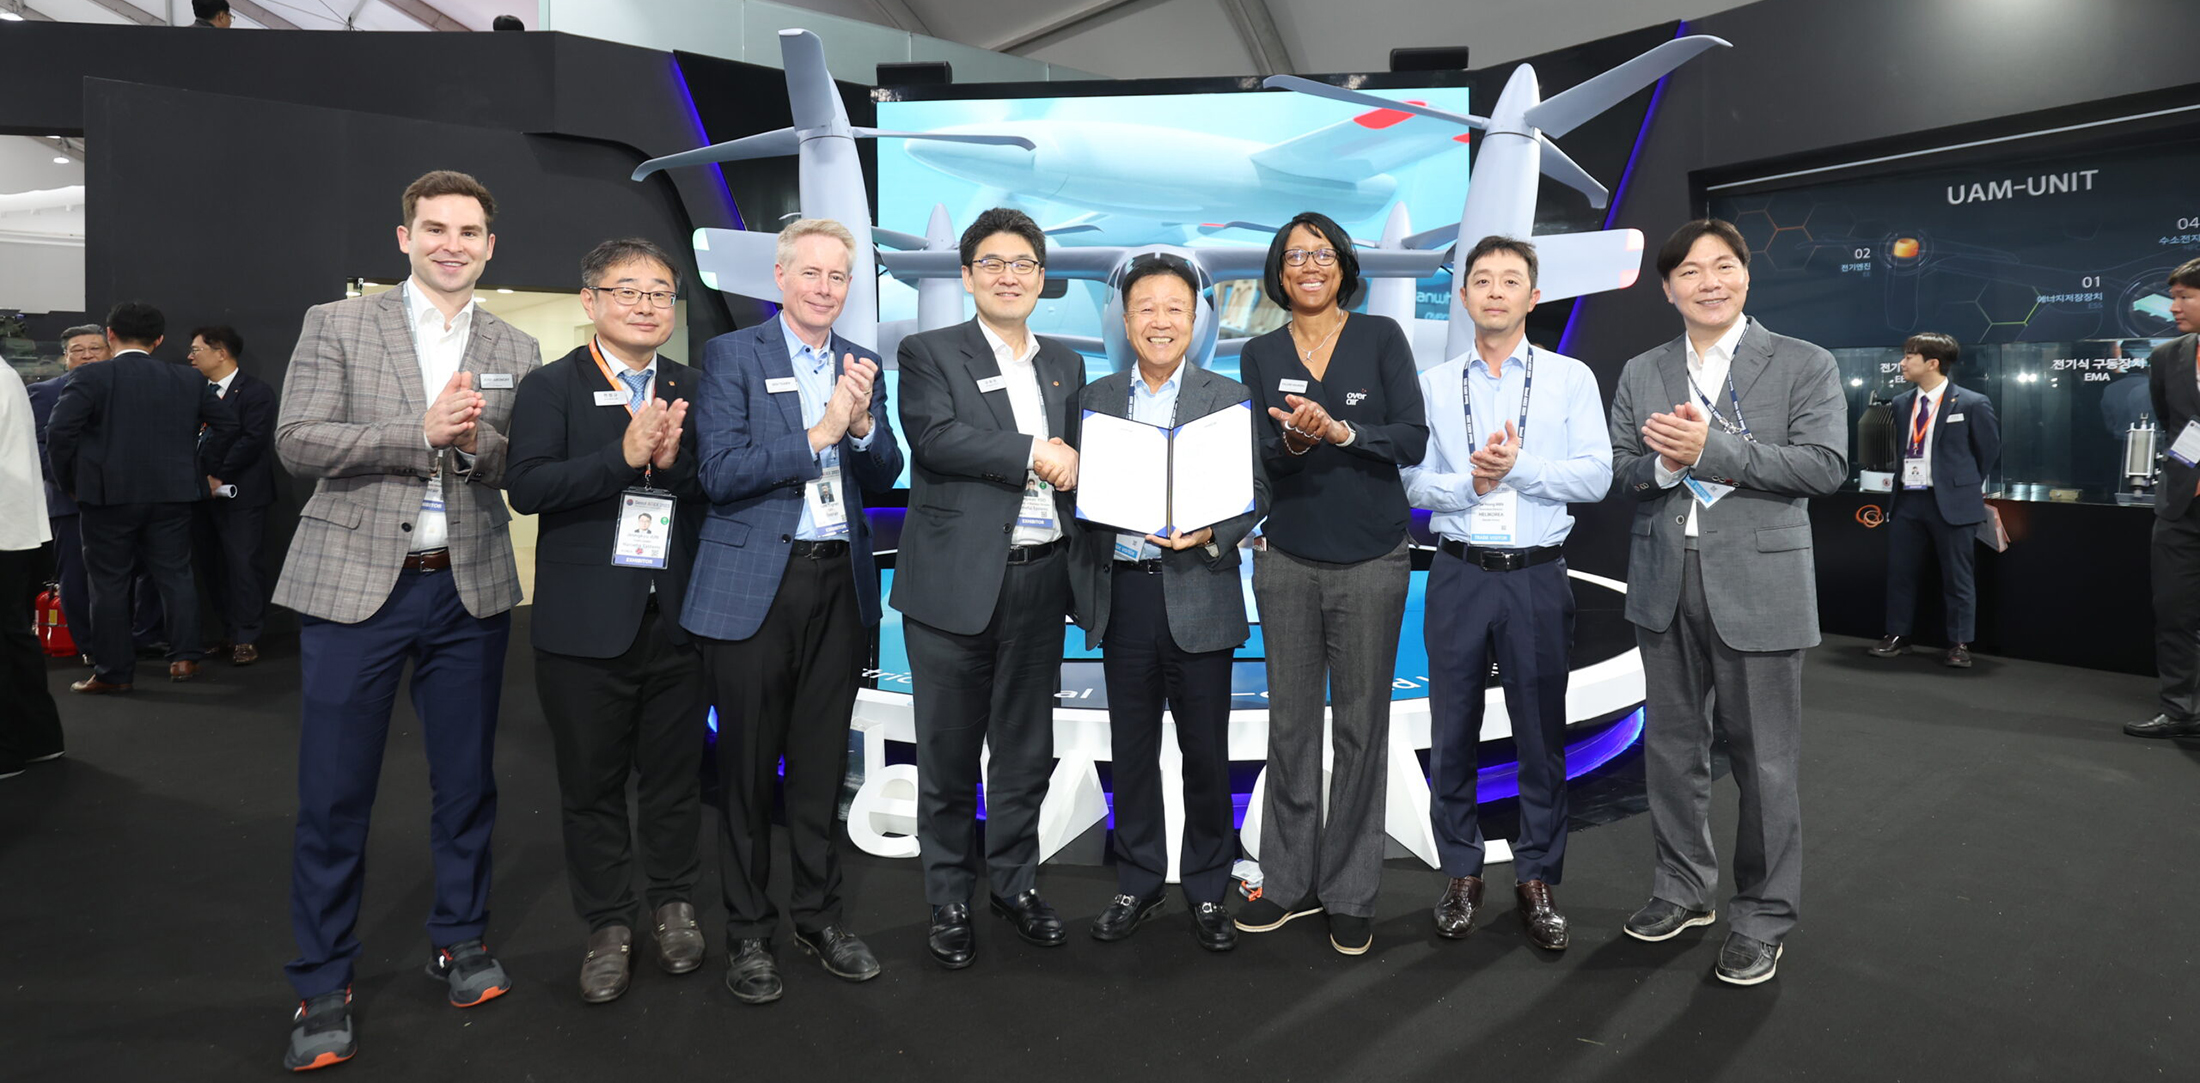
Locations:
(434, 500)
(1914, 475)
(1038, 506)
(824, 497)
(644, 534)
(1707, 492)
(1495, 520)
(2187, 448)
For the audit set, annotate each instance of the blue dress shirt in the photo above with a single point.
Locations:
(814, 378)
(1565, 455)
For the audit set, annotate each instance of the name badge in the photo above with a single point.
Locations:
(780, 385)
(1496, 519)
(823, 497)
(495, 381)
(1129, 546)
(1291, 387)
(644, 536)
(1914, 475)
(1707, 493)
(2187, 447)
(1038, 506)
(610, 398)
(992, 383)
(1955, 417)
(434, 500)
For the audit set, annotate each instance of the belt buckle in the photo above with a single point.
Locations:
(1501, 560)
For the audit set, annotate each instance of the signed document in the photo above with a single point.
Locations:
(1147, 479)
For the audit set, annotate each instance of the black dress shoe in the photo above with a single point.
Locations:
(751, 974)
(1662, 920)
(843, 954)
(1746, 961)
(1455, 911)
(1539, 912)
(1035, 921)
(1890, 647)
(679, 939)
(1212, 927)
(2161, 726)
(951, 940)
(606, 969)
(1123, 916)
(1959, 656)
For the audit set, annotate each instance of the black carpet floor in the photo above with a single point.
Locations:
(1999, 886)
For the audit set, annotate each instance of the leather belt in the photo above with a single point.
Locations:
(1027, 554)
(428, 560)
(1149, 567)
(819, 550)
(1502, 560)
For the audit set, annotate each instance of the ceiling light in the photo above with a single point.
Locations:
(12, 16)
(61, 159)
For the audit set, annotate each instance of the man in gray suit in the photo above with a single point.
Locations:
(1167, 612)
(989, 410)
(397, 405)
(1719, 436)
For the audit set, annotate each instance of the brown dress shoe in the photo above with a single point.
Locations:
(183, 670)
(1455, 911)
(1539, 912)
(244, 654)
(604, 970)
(93, 686)
(679, 939)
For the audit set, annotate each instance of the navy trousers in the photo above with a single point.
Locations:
(1915, 529)
(350, 674)
(76, 593)
(1524, 622)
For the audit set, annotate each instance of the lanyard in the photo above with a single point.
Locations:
(1527, 387)
(1739, 426)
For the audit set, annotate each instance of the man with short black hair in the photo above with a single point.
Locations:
(232, 523)
(214, 13)
(132, 439)
(81, 345)
(2175, 392)
(1949, 438)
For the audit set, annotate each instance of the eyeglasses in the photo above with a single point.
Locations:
(1323, 257)
(627, 295)
(994, 265)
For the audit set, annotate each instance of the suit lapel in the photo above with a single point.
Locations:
(1057, 382)
(1115, 394)
(1752, 355)
(777, 366)
(1940, 416)
(394, 320)
(978, 357)
(1674, 367)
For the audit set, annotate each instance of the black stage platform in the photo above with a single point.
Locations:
(1999, 886)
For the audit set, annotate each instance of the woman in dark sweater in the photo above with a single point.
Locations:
(1339, 405)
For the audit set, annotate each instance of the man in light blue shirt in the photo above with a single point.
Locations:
(1497, 590)
(815, 382)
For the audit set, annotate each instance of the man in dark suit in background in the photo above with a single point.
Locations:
(792, 422)
(126, 440)
(1167, 612)
(1949, 439)
(80, 346)
(2173, 381)
(599, 442)
(989, 410)
(232, 522)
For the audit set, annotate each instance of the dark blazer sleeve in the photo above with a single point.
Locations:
(221, 432)
(943, 443)
(737, 461)
(254, 406)
(65, 428)
(1402, 438)
(42, 400)
(1985, 433)
(543, 472)
(1634, 465)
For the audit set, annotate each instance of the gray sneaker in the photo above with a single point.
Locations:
(321, 1034)
(474, 974)
(1662, 920)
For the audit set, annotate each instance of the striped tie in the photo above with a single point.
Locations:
(637, 388)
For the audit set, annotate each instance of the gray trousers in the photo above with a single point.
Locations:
(1335, 624)
(1755, 698)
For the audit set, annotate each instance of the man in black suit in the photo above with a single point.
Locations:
(2173, 381)
(126, 441)
(80, 346)
(599, 440)
(1949, 440)
(981, 578)
(232, 521)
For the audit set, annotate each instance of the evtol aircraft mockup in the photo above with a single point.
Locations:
(1213, 181)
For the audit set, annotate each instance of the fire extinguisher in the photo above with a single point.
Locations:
(53, 628)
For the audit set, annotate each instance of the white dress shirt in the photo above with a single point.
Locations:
(221, 386)
(440, 348)
(22, 487)
(1931, 403)
(1030, 408)
(1708, 370)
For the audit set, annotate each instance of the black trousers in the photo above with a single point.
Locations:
(116, 536)
(992, 690)
(643, 714)
(68, 564)
(1916, 529)
(787, 693)
(2176, 571)
(228, 542)
(30, 726)
(1146, 671)
(1524, 621)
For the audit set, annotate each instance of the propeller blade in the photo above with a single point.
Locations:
(1569, 110)
(1336, 93)
(1566, 171)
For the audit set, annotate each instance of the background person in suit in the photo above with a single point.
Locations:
(792, 421)
(132, 439)
(1949, 439)
(1720, 436)
(990, 413)
(396, 405)
(1497, 587)
(30, 726)
(232, 528)
(80, 346)
(1167, 614)
(596, 434)
(2175, 563)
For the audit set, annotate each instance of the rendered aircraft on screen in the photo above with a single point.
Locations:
(1501, 198)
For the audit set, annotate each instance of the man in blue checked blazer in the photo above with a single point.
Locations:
(792, 424)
